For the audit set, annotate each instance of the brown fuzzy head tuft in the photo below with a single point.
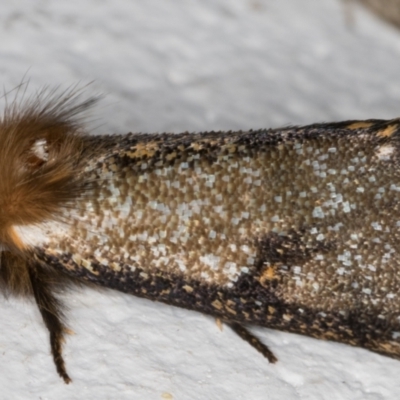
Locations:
(42, 154)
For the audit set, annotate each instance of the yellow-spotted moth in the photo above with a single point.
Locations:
(296, 229)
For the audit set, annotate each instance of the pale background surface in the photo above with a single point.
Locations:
(174, 65)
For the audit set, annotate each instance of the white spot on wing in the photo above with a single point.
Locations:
(40, 234)
(385, 152)
(31, 235)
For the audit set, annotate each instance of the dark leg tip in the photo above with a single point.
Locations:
(253, 341)
(66, 379)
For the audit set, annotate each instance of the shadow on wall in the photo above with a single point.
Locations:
(388, 10)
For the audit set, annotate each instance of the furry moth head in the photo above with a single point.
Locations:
(42, 153)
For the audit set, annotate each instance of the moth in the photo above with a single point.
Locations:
(296, 229)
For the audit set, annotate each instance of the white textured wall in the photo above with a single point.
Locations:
(175, 65)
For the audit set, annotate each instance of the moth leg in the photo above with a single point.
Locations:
(51, 311)
(253, 341)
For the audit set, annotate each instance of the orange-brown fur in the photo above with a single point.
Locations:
(31, 190)
(34, 188)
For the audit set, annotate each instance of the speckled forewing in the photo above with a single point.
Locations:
(297, 229)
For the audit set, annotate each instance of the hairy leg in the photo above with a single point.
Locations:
(253, 341)
(51, 310)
